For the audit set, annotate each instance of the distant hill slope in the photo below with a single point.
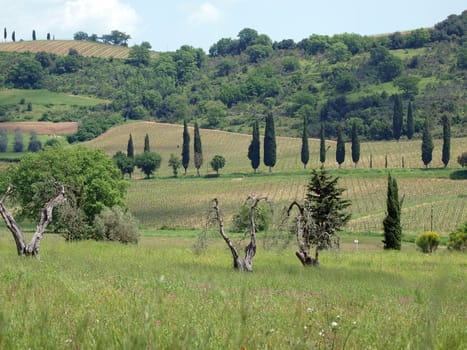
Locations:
(62, 47)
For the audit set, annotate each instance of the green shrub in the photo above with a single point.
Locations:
(428, 241)
(458, 239)
(116, 224)
(241, 220)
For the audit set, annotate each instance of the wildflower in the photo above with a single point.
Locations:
(334, 324)
(321, 333)
(162, 278)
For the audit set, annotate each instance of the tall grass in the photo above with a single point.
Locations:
(160, 295)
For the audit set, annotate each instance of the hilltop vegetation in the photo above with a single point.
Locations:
(332, 80)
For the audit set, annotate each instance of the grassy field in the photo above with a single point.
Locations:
(160, 295)
(165, 201)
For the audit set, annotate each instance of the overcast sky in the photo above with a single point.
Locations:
(169, 24)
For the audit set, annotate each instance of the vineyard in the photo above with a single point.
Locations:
(62, 47)
(184, 202)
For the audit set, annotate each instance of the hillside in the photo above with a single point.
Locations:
(334, 81)
(167, 202)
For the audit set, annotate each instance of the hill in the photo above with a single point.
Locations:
(63, 47)
(167, 202)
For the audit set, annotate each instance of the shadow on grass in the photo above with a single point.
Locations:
(459, 174)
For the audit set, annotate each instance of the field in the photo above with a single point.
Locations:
(167, 202)
(42, 128)
(161, 295)
(62, 47)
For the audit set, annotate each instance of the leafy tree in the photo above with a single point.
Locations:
(410, 121)
(246, 37)
(397, 117)
(417, 38)
(125, 163)
(81, 36)
(3, 140)
(462, 56)
(323, 215)
(148, 162)
(130, 149)
(197, 148)
(340, 148)
(355, 144)
(34, 144)
(458, 238)
(185, 146)
(26, 74)
(254, 152)
(305, 153)
(409, 85)
(139, 56)
(147, 148)
(18, 143)
(446, 140)
(91, 182)
(257, 53)
(387, 65)
(392, 222)
(116, 38)
(270, 142)
(33, 35)
(322, 146)
(338, 52)
(174, 163)
(217, 162)
(427, 144)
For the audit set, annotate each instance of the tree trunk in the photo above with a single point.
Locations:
(31, 248)
(239, 263)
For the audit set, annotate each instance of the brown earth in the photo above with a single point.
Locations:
(44, 128)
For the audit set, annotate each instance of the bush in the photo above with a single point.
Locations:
(428, 241)
(462, 159)
(241, 220)
(458, 239)
(116, 224)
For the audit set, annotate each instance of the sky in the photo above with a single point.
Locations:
(169, 24)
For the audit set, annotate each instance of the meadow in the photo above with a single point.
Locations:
(430, 195)
(161, 295)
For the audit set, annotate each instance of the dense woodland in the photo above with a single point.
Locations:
(333, 81)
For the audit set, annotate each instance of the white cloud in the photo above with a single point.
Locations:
(206, 12)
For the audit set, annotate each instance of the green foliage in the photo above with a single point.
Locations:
(257, 53)
(91, 126)
(254, 150)
(3, 140)
(263, 218)
(91, 181)
(147, 147)
(185, 146)
(18, 143)
(392, 221)
(116, 38)
(217, 163)
(427, 144)
(34, 144)
(326, 207)
(462, 56)
(428, 241)
(197, 148)
(139, 56)
(305, 151)
(409, 86)
(123, 162)
(462, 159)
(388, 67)
(322, 146)
(116, 224)
(458, 239)
(26, 74)
(174, 163)
(270, 142)
(130, 148)
(355, 144)
(446, 153)
(148, 162)
(340, 148)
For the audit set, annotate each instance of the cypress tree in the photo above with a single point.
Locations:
(322, 146)
(34, 35)
(355, 144)
(410, 123)
(48, 36)
(185, 147)
(446, 140)
(18, 144)
(130, 150)
(270, 143)
(147, 148)
(198, 150)
(254, 153)
(392, 221)
(13, 36)
(340, 148)
(427, 144)
(397, 118)
(4, 34)
(3, 140)
(305, 154)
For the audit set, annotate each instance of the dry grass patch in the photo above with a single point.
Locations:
(43, 128)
